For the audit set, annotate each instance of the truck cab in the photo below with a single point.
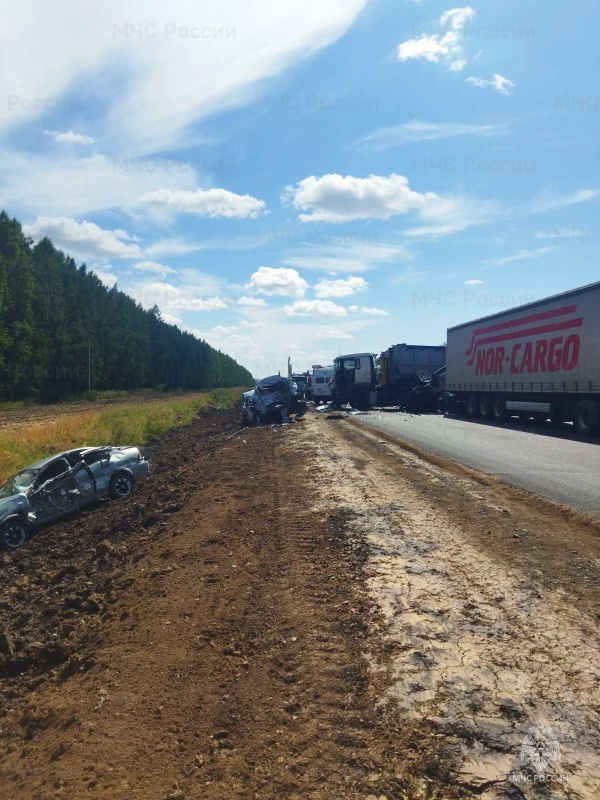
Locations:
(354, 379)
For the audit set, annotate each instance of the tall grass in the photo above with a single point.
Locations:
(130, 423)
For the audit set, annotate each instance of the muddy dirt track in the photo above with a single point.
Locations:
(312, 611)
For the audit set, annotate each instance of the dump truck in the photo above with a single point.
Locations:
(363, 380)
(540, 360)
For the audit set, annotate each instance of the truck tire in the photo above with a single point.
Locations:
(316, 402)
(499, 413)
(586, 417)
(472, 406)
(485, 406)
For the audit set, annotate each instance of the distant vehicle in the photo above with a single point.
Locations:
(539, 360)
(321, 385)
(309, 377)
(65, 483)
(362, 382)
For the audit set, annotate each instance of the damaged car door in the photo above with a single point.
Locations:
(59, 490)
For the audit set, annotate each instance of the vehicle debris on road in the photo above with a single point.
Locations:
(274, 400)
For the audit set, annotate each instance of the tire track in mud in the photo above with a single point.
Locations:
(480, 650)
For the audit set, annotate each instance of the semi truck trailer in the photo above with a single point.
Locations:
(539, 360)
(363, 380)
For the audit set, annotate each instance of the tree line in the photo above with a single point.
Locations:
(58, 320)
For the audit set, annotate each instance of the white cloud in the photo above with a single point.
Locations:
(104, 271)
(419, 131)
(29, 182)
(251, 301)
(553, 202)
(373, 312)
(277, 281)
(457, 18)
(154, 267)
(333, 333)
(345, 255)
(171, 319)
(265, 337)
(449, 215)
(445, 46)
(473, 282)
(498, 82)
(522, 255)
(562, 233)
(168, 77)
(340, 287)
(172, 247)
(173, 298)
(69, 137)
(108, 278)
(206, 202)
(84, 240)
(335, 198)
(314, 308)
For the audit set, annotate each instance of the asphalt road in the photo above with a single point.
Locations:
(555, 463)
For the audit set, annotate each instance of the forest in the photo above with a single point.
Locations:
(61, 327)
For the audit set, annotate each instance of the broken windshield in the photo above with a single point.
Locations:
(19, 483)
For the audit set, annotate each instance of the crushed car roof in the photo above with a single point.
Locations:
(45, 461)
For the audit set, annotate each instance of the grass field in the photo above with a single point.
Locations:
(134, 423)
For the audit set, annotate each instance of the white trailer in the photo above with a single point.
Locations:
(539, 360)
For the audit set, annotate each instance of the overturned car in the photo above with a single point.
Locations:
(63, 484)
(274, 400)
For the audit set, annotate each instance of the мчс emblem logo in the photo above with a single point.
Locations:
(540, 747)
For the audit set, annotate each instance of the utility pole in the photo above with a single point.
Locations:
(89, 363)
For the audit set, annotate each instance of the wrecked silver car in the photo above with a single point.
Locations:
(274, 400)
(64, 483)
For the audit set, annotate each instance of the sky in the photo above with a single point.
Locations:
(304, 179)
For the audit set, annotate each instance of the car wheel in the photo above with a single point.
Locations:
(14, 534)
(121, 485)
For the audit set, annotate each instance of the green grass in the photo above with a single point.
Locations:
(134, 423)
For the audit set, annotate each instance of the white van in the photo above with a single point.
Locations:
(321, 385)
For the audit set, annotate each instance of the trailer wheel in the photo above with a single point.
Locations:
(586, 417)
(485, 406)
(499, 412)
(472, 406)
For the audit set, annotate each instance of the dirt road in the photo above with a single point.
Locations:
(303, 612)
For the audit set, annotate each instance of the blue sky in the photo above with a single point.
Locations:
(304, 178)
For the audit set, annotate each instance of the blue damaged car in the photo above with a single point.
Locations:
(63, 484)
